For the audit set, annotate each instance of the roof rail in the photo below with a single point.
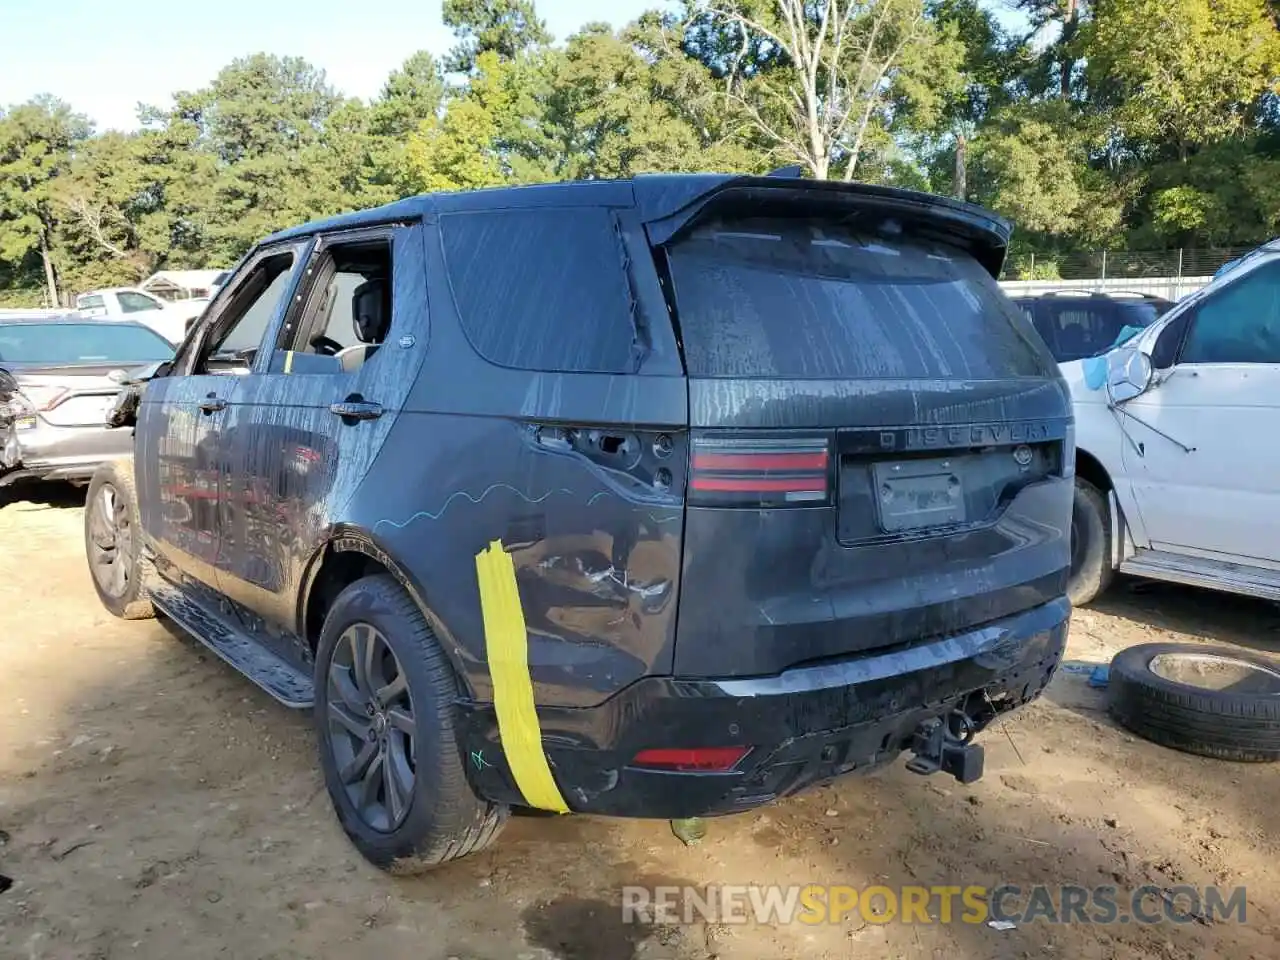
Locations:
(795, 170)
(1100, 293)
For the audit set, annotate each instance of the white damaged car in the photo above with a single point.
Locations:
(1178, 443)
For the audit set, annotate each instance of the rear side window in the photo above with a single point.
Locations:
(82, 343)
(542, 289)
(135, 302)
(805, 299)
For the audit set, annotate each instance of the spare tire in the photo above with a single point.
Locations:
(1210, 700)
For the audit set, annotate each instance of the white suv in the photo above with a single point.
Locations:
(1178, 443)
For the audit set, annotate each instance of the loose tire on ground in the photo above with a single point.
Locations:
(118, 565)
(1209, 700)
(1091, 570)
(443, 819)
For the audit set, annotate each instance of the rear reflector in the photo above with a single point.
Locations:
(760, 471)
(692, 759)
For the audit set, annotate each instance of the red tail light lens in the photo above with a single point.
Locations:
(742, 471)
(692, 759)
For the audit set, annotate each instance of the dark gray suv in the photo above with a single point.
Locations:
(656, 498)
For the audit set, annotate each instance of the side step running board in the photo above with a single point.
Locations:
(1202, 572)
(282, 680)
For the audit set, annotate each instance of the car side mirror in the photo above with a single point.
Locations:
(1129, 372)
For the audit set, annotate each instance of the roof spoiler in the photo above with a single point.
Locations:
(668, 213)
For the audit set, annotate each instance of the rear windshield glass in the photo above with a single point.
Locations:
(81, 343)
(803, 299)
(1078, 328)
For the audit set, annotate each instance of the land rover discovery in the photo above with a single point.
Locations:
(660, 498)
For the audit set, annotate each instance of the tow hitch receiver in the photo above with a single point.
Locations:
(946, 744)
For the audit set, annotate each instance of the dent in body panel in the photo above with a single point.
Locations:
(596, 560)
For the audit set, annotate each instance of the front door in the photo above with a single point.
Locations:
(305, 425)
(182, 453)
(1211, 484)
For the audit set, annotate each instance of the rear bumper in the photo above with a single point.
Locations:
(804, 726)
(47, 452)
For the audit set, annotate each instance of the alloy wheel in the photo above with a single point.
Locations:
(371, 726)
(110, 541)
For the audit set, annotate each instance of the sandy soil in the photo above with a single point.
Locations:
(154, 804)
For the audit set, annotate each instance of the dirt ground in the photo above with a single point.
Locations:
(155, 804)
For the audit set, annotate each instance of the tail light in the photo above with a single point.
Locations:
(40, 398)
(691, 759)
(760, 471)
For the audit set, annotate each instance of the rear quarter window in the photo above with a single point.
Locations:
(804, 299)
(542, 289)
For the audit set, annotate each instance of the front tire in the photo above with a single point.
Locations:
(113, 542)
(1091, 570)
(384, 715)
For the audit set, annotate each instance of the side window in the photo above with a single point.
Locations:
(131, 302)
(542, 289)
(1239, 323)
(240, 327)
(346, 315)
(91, 302)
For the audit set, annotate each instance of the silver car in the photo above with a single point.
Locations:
(58, 377)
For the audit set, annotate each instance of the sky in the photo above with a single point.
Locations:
(104, 57)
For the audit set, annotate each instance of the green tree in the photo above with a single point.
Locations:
(490, 134)
(505, 27)
(412, 95)
(839, 79)
(36, 144)
(1182, 73)
(629, 102)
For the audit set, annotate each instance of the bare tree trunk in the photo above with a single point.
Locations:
(50, 277)
(1070, 23)
(961, 185)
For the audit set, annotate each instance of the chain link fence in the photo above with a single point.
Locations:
(1118, 264)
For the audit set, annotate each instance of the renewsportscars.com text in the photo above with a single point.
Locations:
(973, 904)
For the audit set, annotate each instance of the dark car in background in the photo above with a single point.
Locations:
(58, 376)
(660, 498)
(1078, 324)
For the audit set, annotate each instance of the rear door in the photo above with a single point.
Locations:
(877, 441)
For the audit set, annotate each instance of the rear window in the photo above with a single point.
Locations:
(803, 299)
(1079, 328)
(542, 289)
(81, 343)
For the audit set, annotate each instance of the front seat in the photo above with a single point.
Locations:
(371, 314)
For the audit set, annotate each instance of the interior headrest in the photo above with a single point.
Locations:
(371, 309)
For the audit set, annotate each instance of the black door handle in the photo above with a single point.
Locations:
(356, 409)
(212, 404)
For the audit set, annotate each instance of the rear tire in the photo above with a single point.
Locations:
(384, 716)
(118, 565)
(1091, 570)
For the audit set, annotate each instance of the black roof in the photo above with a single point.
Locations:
(667, 201)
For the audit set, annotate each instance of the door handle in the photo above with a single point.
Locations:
(356, 409)
(212, 404)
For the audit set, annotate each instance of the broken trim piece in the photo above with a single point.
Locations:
(507, 650)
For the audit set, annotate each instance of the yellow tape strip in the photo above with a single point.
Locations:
(507, 648)
(288, 361)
